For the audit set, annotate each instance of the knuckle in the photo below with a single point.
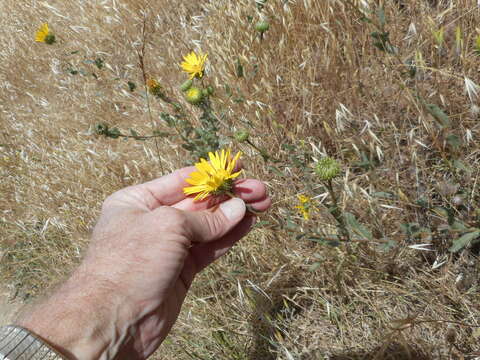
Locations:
(215, 224)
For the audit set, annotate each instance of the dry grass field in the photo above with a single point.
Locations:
(387, 88)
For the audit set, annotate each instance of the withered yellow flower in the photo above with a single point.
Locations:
(214, 177)
(194, 64)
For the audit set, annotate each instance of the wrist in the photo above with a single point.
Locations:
(82, 319)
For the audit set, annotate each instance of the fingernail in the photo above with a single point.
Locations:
(233, 209)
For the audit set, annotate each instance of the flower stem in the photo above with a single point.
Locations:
(337, 213)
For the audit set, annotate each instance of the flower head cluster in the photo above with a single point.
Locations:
(214, 177)
(194, 64)
(44, 35)
(305, 206)
(327, 169)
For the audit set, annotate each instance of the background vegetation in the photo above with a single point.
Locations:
(387, 88)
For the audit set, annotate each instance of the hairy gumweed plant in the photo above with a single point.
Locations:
(328, 169)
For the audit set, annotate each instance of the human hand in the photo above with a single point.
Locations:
(146, 249)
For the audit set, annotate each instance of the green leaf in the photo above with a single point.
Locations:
(99, 63)
(131, 86)
(439, 115)
(464, 240)
(324, 241)
(358, 228)
(381, 17)
(239, 68)
(390, 244)
(382, 194)
(454, 141)
(461, 166)
(134, 133)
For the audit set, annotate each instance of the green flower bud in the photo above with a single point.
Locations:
(50, 39)
(101, 128)
(241, 135)
(205, 93)
(194, 95)
(262, 26)
(327, 169)
(210, 90)
(186, 85)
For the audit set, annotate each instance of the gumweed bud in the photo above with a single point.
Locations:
(186, 85)
(262, 26)
(194, 95)
(327, 169)
(205, 93)
(241, 135)
(210, 90)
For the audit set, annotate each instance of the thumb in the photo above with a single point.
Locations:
(208, 225)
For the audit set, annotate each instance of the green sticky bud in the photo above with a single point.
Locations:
(262, 26)
(327, 169)
(186, 85)
(210, 90)
(194, 95)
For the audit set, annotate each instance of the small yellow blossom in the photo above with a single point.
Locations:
(305, 206)
(194, 64)
(44, 34)
(214, 177)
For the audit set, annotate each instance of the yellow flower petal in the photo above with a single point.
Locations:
(213, 177)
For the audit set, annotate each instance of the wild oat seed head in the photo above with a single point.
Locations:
(214, 177)
(194, 64)
(327, 169)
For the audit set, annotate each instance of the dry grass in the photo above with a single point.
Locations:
(316, 85)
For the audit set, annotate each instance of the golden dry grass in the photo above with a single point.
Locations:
(316, 85)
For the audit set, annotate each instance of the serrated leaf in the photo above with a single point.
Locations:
(464, 240)
(358, 228)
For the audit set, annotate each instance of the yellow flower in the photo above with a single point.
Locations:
(194, 64)
(43, 34)
(214, 177)
(305, 206)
